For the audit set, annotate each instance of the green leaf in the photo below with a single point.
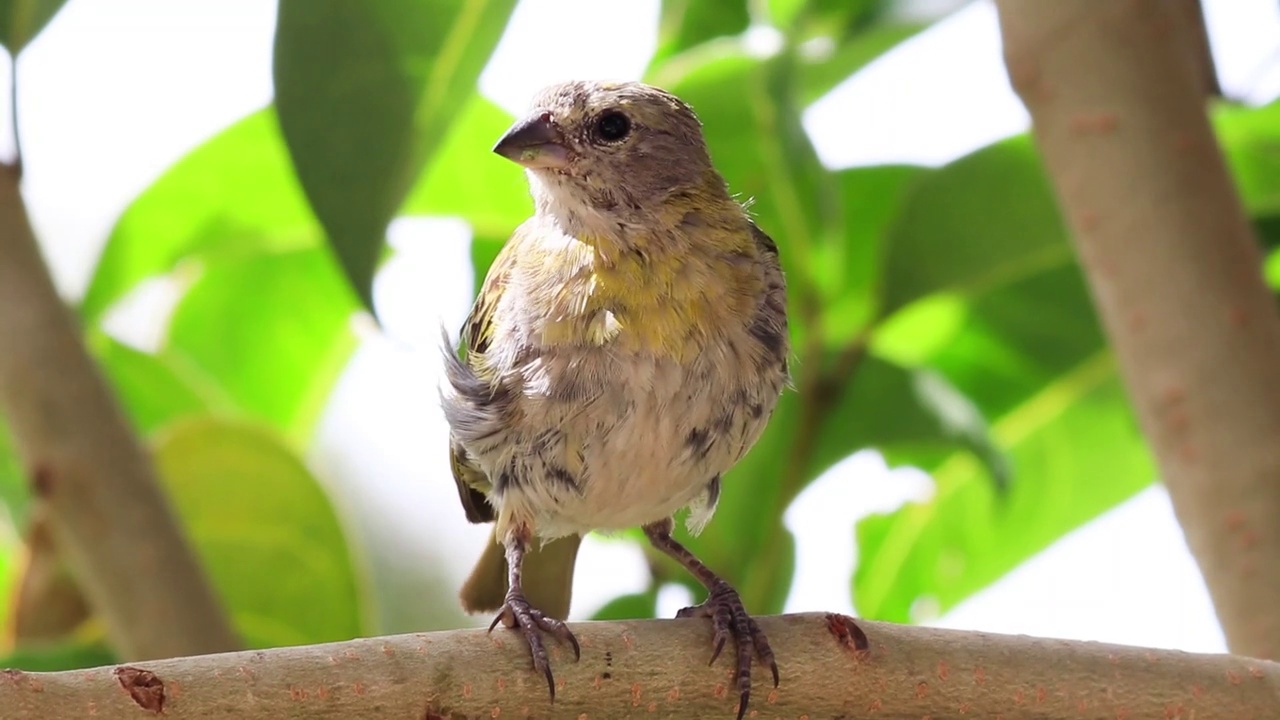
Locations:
(265, 532)
(466, 180)
(848, 268)
(629, 607)
(272, 331)
(14, 495)
(233, 196)
(1250, 140)
(71, 655)
(1034, 359)
(822, 68)
(154, 390)
(985, 219)
(366, 92)
(22, 20)
(684, 24)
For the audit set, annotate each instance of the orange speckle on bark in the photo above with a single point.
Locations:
(653, 707)
(495, 712)
(922, 689)
(1238, 317)
(387, 650)
(1235, 520)
(322, 692)
(943, 671)
(963, 709)
(358, 688)
(466, 690)
(979, 676)
(719, 691)
(583, 716)
(1256, 672)
(1040, 693)
(769, 699)
(1233, 677)
(1099, 123)
(297, 693)
(875, 706)
(1122, 713)
(635, 694)
(1197, 691)
(1019, 697)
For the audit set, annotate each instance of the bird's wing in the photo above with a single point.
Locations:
(477, 333)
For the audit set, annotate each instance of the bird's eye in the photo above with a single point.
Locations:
(612, 126)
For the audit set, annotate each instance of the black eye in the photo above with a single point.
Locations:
(612, 126)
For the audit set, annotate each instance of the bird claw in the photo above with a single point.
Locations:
(729, 618)
(516, 613)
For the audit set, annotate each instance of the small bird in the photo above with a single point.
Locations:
(627, 348)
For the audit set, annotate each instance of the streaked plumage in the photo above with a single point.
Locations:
(629, 342)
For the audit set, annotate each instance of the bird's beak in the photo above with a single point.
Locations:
(534, 142)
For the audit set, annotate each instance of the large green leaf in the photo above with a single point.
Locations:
(848, 269)
(365, 93)
(271, 330)
(684, 24)
(71, 655)
(13, 485)
(22, 20)
(982, 220)
(1032, 356)
(1250, 139)
(154, 390)
(467, 180)
(265, 532)
(235, 195)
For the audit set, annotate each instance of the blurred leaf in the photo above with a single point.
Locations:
(265, 531)
(71, 655)
(985, 219)
(629, 607)
(47, 603)
(684, 24)
(1033, 357)
(1250, 140)
(13, 483)
(272, 331)
(365, 93)
(848, 268)
(22, 20)
(235, 195)
(153, 389)
(823, 65)
(467, 180)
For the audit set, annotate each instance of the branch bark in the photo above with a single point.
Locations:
(658, 669)
(1118, 112)
(106, 511)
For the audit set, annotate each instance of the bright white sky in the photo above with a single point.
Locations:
(116, 90)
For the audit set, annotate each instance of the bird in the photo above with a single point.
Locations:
(627, 347)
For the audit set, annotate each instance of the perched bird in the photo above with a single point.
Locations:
(626, 349)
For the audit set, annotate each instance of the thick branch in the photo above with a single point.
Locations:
(658, 669)
(1175, 270)
(105, 508)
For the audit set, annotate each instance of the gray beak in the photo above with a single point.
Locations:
(534, 142)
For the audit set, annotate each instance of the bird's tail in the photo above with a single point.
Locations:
(547, 578)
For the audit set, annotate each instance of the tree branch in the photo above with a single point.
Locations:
(658, 669)
(106, 512)
(1176, 274)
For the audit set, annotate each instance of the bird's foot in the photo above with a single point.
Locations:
(730, 619)
(516, 613)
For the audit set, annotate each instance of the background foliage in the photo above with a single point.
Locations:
(939, 315)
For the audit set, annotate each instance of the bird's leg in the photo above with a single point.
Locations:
(724, 607)
(517, 613)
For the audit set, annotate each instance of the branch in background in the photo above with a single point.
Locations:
(658, 669)
(1197, 34)
(104, 506)
(1175, 272)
